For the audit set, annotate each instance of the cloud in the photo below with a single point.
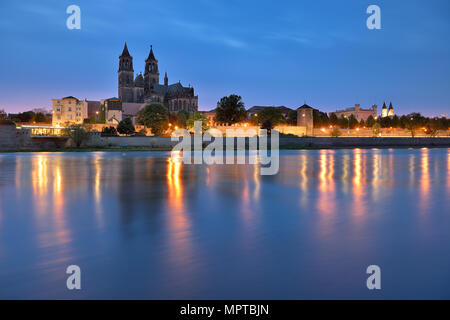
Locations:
(208, 33)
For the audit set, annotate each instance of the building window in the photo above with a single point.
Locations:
(69, 109)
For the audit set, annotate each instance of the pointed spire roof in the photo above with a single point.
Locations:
(384, 105)
(151, 56)
(390, 105)
(125, 52)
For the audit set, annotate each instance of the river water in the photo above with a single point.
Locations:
(141, 225)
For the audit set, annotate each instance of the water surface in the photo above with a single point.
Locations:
(143, 226)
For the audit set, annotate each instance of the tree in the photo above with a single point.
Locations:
(109, 132)
(334, 119)
(370, 121)
(141, 133)
(335, 132)
(362, 123)
(352, 122)
(40, 117)
(292, 117)
(320, 119)
(267, 125)
(268, 117)
(197, 116)
(376, 129)
(77, 133)
(125, 127)
(230, 110)
(181, 118)
(154, 116)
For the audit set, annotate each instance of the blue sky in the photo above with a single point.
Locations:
(269, 52)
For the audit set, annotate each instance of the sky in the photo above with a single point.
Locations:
(269, 52)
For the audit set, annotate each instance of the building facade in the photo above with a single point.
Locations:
(68, 110)
(146, 88)
(358, 112)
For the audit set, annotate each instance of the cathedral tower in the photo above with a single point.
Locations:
(151, 74)
(126, 76)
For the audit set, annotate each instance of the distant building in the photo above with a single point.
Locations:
(357, 112)
(147, 89)
(113, 110)
(385, 112)
(210, 115)
(68, 110)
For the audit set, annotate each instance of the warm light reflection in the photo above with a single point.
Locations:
(425, 179)
(375, 174)
(179, 225)
(326, 202)
(358, 205)
(97, 188)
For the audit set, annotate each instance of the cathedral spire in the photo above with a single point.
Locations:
(151, 56)
(125, 52)
(166, 80)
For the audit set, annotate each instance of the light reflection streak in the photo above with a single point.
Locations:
(358, 207)
(425, 179)
(179, 225)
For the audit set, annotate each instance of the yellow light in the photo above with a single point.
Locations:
(357, 129)
(176, 127)
(323, 129)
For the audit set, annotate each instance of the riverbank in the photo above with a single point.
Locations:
(120, 144)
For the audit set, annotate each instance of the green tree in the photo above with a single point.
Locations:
(352, 122)
(182, 117)
(40, 117)
(197, 116)
(109, 132)
(376, 129)
(269, 116)
(126, 127)
(362, 123)
(370, 122)
(292, 117)
(230, 110)
(154, 116)
(77, 134)
(320, 119)
(334, 119)
(335, 132)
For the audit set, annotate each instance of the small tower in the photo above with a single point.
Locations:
(166, 79)
(151, 74)
(390, 110)
(384, 111)
(126, 76)
(305, 118)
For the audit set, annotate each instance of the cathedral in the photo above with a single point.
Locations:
(147, 89)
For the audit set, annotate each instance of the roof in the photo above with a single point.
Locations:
(172, 88)
(305, 106)
(125, 52)
(151, 56)
(139, 81)
(70, 97)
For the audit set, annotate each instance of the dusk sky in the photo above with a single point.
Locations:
(269, 52)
